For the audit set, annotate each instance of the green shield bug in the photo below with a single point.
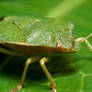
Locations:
(37, 36)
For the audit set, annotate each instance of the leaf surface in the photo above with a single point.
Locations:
(71, 72)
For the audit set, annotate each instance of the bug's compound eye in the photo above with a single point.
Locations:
(59, 43)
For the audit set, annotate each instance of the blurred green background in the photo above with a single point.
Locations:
(74, 71)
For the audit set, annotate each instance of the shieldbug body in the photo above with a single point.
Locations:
(37, 36)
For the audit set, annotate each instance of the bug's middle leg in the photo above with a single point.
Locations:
(29, 61)
(42, 63)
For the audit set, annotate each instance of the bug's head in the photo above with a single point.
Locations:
(65, 37)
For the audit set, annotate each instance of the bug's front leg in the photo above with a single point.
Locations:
(85, 39)
(29, 61)
(42, 63)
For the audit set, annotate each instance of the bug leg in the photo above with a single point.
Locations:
(29, 61)
(6, 51)
(85, 39)
(42, 63)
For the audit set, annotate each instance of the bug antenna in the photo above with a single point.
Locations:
(89, 36)
(85, 39)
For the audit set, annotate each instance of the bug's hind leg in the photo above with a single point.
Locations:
(85, 39)
(29, 61)
(42, 63)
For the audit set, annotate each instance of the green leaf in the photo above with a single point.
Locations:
(71, 72)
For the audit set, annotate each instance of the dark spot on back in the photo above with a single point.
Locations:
(2, 18)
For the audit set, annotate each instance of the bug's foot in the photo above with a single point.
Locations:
(54, 90)
(17, 88)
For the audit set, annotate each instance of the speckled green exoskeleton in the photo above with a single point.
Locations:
(37, 37)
